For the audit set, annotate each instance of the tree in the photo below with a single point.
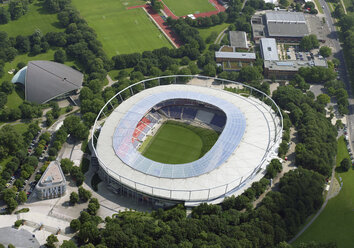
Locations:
(284, 3)
(345, 164)
(60, 56)
(68, 244)
(249, 73)
(7, 87)
(22, 197)
(74, 198)
(309, 42)
(3, 99)
(325, 51)
(89, 233)
(156, 5)
(4, 16)
(66, 165)
(84, 194)
(75, 224)
(51, 239)
(323, 99)
(18, 8)
(75, 127)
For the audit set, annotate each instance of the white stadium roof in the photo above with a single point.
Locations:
(252, 151)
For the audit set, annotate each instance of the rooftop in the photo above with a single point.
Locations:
(238, 39)
(285, 17)
(269, 49)
(235, 55)
(52, 175)
(292, 65)
(45, 80)
(251, 153)
(286, 24)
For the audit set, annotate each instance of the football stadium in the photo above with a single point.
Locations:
(184, 139)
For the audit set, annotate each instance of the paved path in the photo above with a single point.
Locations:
(220, 36)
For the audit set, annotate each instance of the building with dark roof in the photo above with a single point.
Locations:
(238, 39)
(46, 80)
(281, 25)
(285, 25)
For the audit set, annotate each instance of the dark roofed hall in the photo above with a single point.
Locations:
(46, 80)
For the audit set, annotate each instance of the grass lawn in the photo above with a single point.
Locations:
(319, 7)
(35, 18)
(20, 128)
(178, 143)
(185, 7)
(335, 223)
(205, 32)
(4, 162)
(120, 30)
(348, 5)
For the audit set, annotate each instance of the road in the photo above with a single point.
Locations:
(338, 53)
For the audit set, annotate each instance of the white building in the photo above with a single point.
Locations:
(52, 183)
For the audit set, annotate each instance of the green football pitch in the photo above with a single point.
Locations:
(185, 7)
(121, 30)
(178, 143)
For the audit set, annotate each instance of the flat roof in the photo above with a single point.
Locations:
(285, 17)
(269, 49)
(52, 175)
(235, 55)
(251, 154)
(238, 39)
(286, 24)
(287, 30)
(46, 80)
(292, 65)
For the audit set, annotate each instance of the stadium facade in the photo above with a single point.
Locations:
(250, 137)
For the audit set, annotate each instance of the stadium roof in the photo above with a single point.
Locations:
(233, 55)
(45, 80)
(222, 149)
(254, 146)
(269, 49)
(286, 24)
(238, 39)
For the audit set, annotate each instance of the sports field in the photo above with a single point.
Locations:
(35, 18)
(121, 30)
(178, 143)
(185, 7)
(335, 223)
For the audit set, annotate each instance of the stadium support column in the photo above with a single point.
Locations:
(131, 90)
(121, 98)
(159, 81)
(226, 188)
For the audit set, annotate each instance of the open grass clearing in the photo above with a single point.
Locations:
(205, 32)
(335, 223)
(185, 7)
(121, 31)
(178, 143)
(36, 18)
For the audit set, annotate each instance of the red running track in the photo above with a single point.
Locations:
(162, 24)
